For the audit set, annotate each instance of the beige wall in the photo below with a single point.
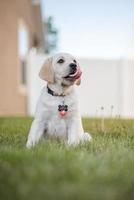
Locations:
(13, 96)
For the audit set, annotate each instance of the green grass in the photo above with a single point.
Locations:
(102, 169)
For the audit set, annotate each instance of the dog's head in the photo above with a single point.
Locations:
(61, 68)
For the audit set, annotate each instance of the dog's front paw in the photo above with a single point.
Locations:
(86, 137)
(71, 142)
(29, 144)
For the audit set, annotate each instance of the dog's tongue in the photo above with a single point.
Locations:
(77, 74)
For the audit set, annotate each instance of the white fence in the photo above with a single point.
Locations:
(107, 84)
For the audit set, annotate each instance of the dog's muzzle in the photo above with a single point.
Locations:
(75, 73)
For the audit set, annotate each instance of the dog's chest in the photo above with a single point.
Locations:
(57, 124)
(57, 127)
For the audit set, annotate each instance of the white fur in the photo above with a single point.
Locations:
(47, 119)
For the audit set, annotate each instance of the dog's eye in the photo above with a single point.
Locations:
(60, 61)
(74, 61)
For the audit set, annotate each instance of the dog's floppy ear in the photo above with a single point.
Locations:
(78, 82)
(47, 73)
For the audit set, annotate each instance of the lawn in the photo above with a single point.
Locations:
(102, 169)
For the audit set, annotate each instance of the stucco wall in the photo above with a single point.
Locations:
(13, 98)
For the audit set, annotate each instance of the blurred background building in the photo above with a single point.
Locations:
(96, 36)
(21, 28)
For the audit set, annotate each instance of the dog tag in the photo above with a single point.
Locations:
(62, 110)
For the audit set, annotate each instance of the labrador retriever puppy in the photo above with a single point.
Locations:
(57, 114)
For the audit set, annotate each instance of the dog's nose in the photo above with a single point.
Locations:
(73, 66)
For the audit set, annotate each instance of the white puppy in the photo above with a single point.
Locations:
(57, 114)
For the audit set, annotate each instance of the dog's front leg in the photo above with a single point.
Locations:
(36, 132)
(75, 132)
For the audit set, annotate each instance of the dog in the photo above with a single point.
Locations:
(57, 114)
